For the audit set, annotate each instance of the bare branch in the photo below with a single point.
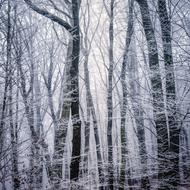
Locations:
(49, 15)
(59, 10)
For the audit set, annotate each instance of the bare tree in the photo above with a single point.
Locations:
(74, 88)
(91, 113)
(124, 151)
(173, 174)
(109, 96)
(157, 92)
(138, 112)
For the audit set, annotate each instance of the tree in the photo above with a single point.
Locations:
(138, 115)
(173, 173)
(124, 159)
(157, 94)
(109, 97)
(90, 108)
(74, 32)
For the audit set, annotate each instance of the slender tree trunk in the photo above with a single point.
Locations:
(39, 126)
(13, 132)
(30, 118)
(138, 116)
(7, 80)
(87, 122)
(185, 157)
(86, 146)
(2, 126)
(74, 73)
(98, 149)
(109, 99)
(16, 131)
(91, 110)
(91, 113)
(66, 103)
(14, 152)
(124, 152)
(37, 123)
(157, 93)
(173, 174)
(34, 149)
(38, 144)
(60, 126)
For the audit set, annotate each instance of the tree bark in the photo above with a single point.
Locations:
(14, 151)
(157, 93)
(173, 174)
(74, 73)
(109, 99)
(138, 116)
(124, 149)
(91, 111)
(13, 131)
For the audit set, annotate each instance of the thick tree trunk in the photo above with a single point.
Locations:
(157, 93)
(173, 174)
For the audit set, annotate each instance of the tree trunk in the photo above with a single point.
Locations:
(61, 126)
(13, 131)
(109, 99)
(173, 174)
(124, 156)
(138, 116)
(14, 152)
(157, 93)
(91, 109)
(74, 73)
(34, 149)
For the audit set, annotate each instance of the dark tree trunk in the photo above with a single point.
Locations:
(185, 157)
(74, 73)
(173, 172)
(157, 93)
(88, 114)
(109, 99)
